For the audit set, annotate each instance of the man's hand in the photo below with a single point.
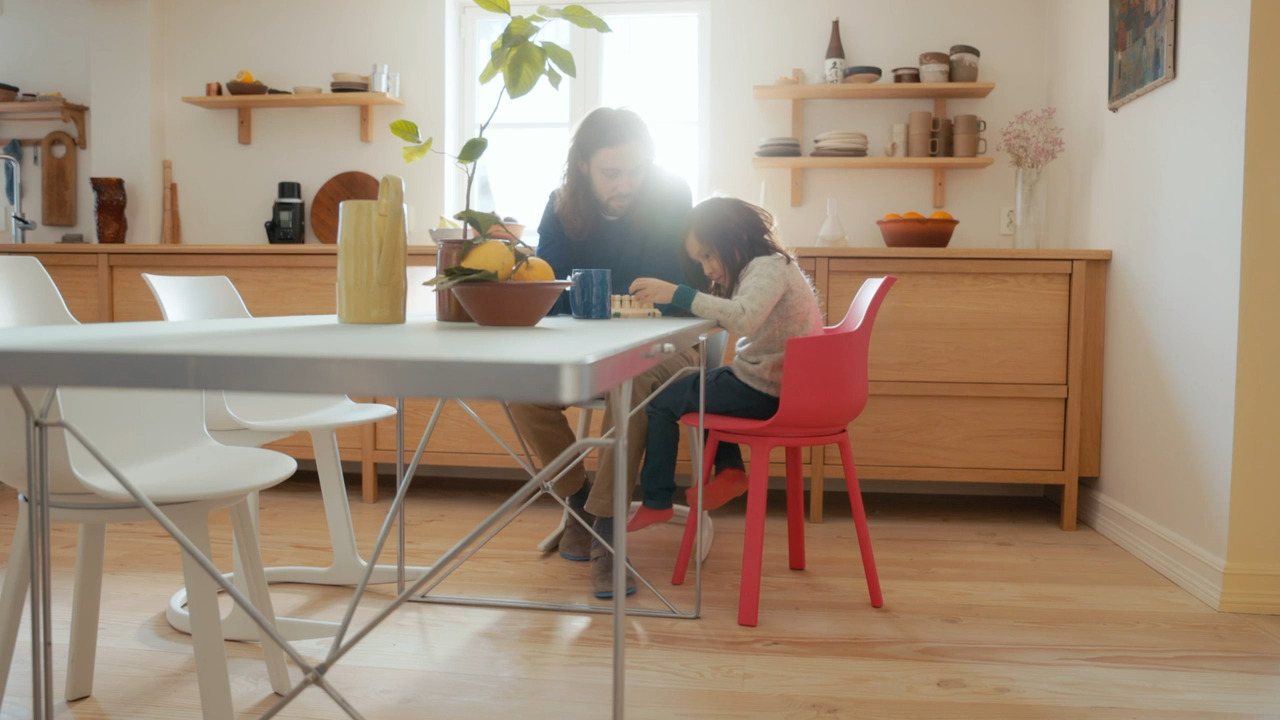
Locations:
(653, 290)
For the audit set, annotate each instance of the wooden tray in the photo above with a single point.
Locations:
(351, 185)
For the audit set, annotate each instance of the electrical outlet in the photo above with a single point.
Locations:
(1006, 221)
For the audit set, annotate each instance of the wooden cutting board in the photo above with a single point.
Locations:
(58, 180)
(352, 185)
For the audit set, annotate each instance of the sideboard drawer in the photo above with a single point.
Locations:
(1012, 433)
(963, 321)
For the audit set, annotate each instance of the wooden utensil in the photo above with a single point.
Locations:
(58, 180)
(351, 185)
(175, 215)
(166, 203)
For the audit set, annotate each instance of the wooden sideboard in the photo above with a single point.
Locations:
(986, 365)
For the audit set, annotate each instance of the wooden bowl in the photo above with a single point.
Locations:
(518, 304)
(917, 232)
(244, 88)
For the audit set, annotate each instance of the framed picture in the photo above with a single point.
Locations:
(1141, 48)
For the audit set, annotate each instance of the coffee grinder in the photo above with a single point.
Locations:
(287, 223)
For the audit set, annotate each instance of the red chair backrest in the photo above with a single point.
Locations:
(824, 377)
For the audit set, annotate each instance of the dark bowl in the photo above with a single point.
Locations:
(520, 304)
(244, 88)
(917, 232)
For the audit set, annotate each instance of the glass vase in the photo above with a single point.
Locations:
(832, 232)
(1028, 209)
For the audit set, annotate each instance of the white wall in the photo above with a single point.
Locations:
(754, 42)
(40, 55)
(226, 189)
(1160, 183)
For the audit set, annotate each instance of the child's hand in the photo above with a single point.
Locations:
(653, 290)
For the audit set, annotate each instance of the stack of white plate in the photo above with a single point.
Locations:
(779, 147)
(840, 143)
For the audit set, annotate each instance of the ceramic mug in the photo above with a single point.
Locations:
(970, 124)
(590, 297)
(942, 132)
(922, 145)
(920, 123)
(969, 145)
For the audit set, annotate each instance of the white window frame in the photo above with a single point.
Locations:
(584, 95)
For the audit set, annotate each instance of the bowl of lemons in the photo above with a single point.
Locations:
(499, 285)
(911, 229)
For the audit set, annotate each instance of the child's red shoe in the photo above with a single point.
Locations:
(647, 516)
(725, 486)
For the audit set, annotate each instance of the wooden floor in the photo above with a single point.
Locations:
(990, 612)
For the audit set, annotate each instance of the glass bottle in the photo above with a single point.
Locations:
(832, 232)
(834, 66)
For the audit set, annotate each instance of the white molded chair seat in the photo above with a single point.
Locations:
(254, 419)
(164, 450)
(716, 344)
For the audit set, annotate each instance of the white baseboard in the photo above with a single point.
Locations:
(1188, 565)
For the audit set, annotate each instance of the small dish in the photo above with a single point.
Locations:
(862, 74)
(349, 77)
(307, 90)
(244, 88)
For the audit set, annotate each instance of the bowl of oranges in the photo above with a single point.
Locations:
(911, 229)
(498, 284)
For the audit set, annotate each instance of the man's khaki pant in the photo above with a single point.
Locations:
(546, 429)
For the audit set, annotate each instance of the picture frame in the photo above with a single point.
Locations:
(1141, 48)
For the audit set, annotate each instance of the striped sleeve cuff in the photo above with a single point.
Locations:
(683, 297)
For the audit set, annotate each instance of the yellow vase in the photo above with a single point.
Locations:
(372, 257)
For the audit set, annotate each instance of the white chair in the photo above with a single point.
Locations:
(716, 344)
(158, 440)
(254, 419)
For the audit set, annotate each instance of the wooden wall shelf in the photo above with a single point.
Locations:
(245, 104)
(938, 92)
(56, 110)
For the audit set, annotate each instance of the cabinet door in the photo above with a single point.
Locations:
(77, 279)
(963, 321)
(293, 289)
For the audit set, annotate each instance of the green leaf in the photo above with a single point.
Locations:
(519, 27)
(490, 72)
(472, 150)
(416, 152)
(561, 57)
(458, 274)
(524, 67)
(553, 77)
(548, 11)
(406, 130)
(584, 18)
(495, 6)
(481, 221)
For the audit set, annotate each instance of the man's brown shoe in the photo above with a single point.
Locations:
(602, 573)
(575, 541)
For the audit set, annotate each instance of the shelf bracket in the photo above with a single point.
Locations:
(76, 116)
(366, 124)
(939, 175)
(246, 125)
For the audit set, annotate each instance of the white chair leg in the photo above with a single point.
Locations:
(206, 627)
(85, 603)
(245, 532)
(584, 422)
(17, 578)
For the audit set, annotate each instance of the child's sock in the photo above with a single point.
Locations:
(725, 486)
(647, 516)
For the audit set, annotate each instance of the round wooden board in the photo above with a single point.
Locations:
(351, 185)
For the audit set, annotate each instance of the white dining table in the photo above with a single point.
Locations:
(560, 360)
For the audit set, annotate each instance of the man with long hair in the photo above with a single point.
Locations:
(614, 210)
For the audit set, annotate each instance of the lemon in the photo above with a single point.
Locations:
(244, 76)
(492, 255)
(941, 215)
(534, 270)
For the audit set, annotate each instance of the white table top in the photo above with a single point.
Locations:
(560, 360)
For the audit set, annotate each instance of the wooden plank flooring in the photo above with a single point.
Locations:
(990, 611)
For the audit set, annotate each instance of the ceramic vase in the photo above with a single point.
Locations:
(109, 201)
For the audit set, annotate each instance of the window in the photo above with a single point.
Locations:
(529, 137)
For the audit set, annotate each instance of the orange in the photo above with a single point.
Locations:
(534, 270)
(892, 216)
(914, 215)
(941, 215)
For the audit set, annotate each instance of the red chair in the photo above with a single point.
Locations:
(824, 387)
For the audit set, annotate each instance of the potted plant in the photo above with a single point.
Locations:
(522, 61)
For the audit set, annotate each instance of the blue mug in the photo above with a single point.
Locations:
(591, 295)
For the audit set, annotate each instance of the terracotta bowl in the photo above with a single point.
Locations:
(917, 232)
(244, 88)
(520, 304)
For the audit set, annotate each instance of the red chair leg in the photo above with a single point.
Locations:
(691, 526)
(795, 508)
(860, 522)
(753, 537)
